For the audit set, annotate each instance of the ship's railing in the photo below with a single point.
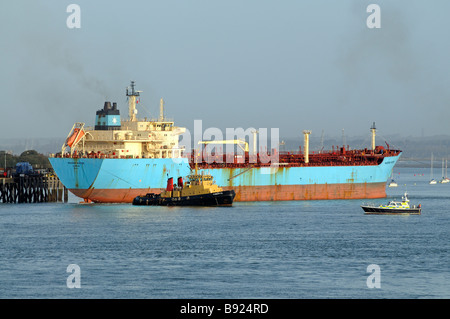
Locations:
(328, 158)
(153, 119)
(102, 155)
(369, 204)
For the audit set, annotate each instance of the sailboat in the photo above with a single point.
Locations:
(444, 179)
(432, 181)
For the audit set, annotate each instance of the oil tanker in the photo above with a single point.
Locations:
(117, 160)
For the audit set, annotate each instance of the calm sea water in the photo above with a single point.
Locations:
(305, 249)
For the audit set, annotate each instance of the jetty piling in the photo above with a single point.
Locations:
(32, 189)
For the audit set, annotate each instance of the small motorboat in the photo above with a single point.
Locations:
(393, 183)
(393, 208)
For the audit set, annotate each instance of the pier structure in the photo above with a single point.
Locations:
(32, 189)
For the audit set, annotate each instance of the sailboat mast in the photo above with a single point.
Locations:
(432, 181)
(431, 170)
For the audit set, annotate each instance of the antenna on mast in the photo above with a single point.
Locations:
(343, 138)
(321, 141)
(132, 94)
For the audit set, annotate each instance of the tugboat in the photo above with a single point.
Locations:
(393, 208)
(199, 190)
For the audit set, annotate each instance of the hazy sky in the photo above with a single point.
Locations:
(292, 65)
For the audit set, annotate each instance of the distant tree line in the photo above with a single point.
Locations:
(36, 159)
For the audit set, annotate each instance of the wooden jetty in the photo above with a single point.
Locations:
(32, 189)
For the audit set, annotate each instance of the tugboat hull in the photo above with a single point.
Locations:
(368, 210)
(224, 198)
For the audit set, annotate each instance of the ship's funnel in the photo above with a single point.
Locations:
(180, 182)
(108, 118)
(169, 184)
(306, 146)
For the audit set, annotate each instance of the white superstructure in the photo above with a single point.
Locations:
(131, 138)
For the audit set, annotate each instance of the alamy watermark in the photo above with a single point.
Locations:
(236, 146)
(374, 279)
(74, 279)
(74, 19)
(374, 19)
